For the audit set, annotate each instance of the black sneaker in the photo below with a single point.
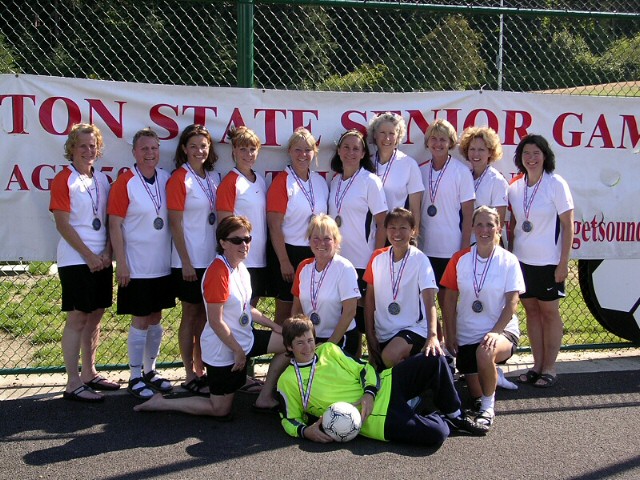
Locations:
(465, 424)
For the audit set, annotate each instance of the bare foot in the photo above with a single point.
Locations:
(151, 405)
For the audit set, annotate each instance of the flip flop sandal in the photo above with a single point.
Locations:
(253, 388)
(76, 395)
(531, 376)
(100, 383)
(547, 380)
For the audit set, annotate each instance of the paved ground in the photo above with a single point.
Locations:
(586, 427)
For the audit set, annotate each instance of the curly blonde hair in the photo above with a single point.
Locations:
(490, 138)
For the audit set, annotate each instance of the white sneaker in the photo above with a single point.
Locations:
(486, 417)
(503, 382)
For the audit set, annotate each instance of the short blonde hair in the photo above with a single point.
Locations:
(488, 136)
(444, 127)
(325, 224)
(74, 134)
(244, 137)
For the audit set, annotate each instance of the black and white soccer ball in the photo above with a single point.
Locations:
(611, 291)
(342, 421)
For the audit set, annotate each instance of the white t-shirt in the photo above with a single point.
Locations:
(190, 195)
(78, 196)
(400, 178)
(540, 246)
(339, 283)
(441, 235)
(294, 198)
(238, 195)
(417, 276)
(491, 190)
(503, 275)
(364, 195)
(140, 204)
(233, 289)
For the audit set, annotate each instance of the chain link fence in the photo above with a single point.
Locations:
(576, 47)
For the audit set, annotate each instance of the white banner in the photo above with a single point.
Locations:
(594, 139)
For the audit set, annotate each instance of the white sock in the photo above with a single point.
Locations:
(135, 343)
(487, 403)
(455, 414)
(152, 347)
(503, 382)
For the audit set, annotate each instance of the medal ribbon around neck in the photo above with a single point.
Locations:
(478, 181)
(339, 198)
(241, 290)
(433, 189)
(313, 290)
(94, 203)
(305, 394)
(526, 201)
(308, 195)
(477, 286)
(156, 203)
(209, 193)
(386, 172)
(395, 282)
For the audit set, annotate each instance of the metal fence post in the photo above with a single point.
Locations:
(245, 43)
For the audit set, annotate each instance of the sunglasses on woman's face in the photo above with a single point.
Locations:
(239, 240)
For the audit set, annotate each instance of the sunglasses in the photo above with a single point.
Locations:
(239, 240)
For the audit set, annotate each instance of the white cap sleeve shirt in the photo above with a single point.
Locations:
(365, 195)
(400, 178)
(540, 246)
(416, 277)
(339, 284)
(440, 235)
(503, 276)
(492, 191)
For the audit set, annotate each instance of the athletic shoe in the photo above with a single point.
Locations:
(486, 417)
(465, 424)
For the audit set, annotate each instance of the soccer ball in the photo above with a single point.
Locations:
(611, 291)
(342, 421)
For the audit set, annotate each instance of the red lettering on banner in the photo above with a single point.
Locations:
(558, 129)
(235, 121)
(45, 112)
(629, 122)
(200, 113)
(270, 121)
(17, 178)
(163, 121)
(116, 126)
(348, 123)
(36, 177)
(492, 119)
(451, 114)
(417, 117)
(511, 128)
(605, 135)
(17, 108)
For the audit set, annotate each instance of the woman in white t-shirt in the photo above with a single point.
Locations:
(229, 337)
(400, 306)
(482, 286)
(399, 173)
(480, 146)
(541, 230)
(325, 287)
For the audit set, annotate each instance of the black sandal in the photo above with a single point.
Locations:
(531, 376)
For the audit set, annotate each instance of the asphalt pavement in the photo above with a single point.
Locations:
(585, 427)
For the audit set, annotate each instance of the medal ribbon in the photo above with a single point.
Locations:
(477, 286)
(395, 282)
(207, 191)
(433, 189)
(157, 204)
(386, 172)
(308, 195)
(339, 198)
(478, 181)
(94, 203)
(305, 394)
(313, 290)
(241, 290)
(526, 201)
